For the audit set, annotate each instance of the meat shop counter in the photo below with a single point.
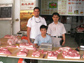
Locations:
(42, 57)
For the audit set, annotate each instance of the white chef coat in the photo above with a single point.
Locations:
(35, 23)
(56, 29)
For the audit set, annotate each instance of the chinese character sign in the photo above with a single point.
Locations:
(27, 4)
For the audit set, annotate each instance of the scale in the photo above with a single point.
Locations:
(46, 46)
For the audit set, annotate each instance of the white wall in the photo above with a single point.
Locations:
(5, 26)
(16, 14)
(6, 1)
(16, 24)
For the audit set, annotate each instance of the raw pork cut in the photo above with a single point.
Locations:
(36, 54)
(80, 29)
(23, 52)
(64, 48)
(27, 46)
(13, 40)
(52, 55)
(5, 51)
(72, 54)
(43, 52)
(7, 36)
(58, 51)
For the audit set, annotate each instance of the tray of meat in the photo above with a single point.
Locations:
(4, 51)
(43, 52)
(7, 36)
(58, 51)
(27, 46)
(71, 54)
(64, 48)
(10, 36)
(23, 52)
(13, 40)
(36, 54)
(52, 55)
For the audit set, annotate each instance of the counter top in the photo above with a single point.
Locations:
(15, 50)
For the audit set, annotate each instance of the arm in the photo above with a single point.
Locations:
(48, 31)
(63, 39)
(63, 35)
(28, 30)
(36, 42)
(28, 34)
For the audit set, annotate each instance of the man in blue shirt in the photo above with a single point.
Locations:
(43, 37)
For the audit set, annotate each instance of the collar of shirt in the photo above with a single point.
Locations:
(44, 37)
(37, 20)
(57, 23)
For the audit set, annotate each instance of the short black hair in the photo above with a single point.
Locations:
(55, 13)
(37, 8)
(43, 26)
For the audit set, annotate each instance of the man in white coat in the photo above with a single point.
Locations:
(33, 28)
(34, 24)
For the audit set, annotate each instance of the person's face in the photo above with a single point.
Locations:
(55, 18)
(36, 12)
(43, 31)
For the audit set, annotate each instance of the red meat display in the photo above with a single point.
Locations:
(27, 46)
(52, 54)
(5, 51)
(36, 54)
(23, 52)
(13, 40)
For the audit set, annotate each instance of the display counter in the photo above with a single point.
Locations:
(29, 56)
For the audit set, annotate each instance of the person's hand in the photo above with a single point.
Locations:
(30, 43)
(63, 43)
(36, 45)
